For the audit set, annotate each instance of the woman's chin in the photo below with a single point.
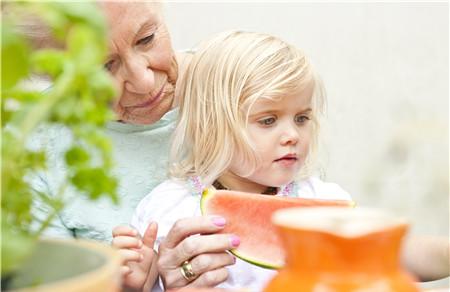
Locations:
(147, 116)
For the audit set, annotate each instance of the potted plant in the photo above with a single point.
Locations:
(79, 82)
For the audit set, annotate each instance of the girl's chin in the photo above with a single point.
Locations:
(277, 183)
(283, 182)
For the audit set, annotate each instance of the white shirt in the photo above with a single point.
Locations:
(173, 200)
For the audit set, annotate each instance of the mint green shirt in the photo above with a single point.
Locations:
(140, 155)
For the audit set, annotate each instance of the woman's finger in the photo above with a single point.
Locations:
(123, 230)
(211, 261)
(126, 242)
(190, 226)
(211, 278)
(199, 244)
(201, 264)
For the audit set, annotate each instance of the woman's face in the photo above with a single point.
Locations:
(141, 60)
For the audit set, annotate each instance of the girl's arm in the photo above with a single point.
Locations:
(427, 257)
(152, 276)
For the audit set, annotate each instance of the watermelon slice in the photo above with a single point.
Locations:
(249, 217)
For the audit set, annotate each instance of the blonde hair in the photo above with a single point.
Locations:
(224, 78)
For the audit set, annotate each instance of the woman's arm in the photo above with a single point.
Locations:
(427, 257)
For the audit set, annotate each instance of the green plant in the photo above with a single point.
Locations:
(78, 99)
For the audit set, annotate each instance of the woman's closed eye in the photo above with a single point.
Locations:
(301, 119)
(146, 40)
(267, 121)
(109, 65)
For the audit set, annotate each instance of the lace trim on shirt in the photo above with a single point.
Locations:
(197, 187)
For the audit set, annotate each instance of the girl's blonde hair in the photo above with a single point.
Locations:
(224, 78)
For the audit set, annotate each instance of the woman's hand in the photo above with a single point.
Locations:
(137, 255)
(193, 240)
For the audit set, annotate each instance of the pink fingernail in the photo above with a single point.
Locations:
(219, 221)
(235, 241)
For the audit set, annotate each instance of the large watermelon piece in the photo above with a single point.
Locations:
(249, 217)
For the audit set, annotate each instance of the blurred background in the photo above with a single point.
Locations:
(385, 68)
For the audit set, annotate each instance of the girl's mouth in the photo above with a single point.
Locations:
(290, 156)
(287, 160)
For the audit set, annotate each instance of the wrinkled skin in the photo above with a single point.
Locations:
(141, 60)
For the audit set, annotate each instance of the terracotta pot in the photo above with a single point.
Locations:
(69, 266)
(336, 249)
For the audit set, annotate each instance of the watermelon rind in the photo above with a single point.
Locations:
(255, 262)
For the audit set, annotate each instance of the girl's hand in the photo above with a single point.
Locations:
(137, 255)
(192, 240)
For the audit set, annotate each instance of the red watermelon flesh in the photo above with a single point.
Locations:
(249, 216)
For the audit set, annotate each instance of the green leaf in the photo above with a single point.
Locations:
(49, 62)
(77, 156)
(13, 68)
(35, 160)
(16, 247)
(82, 12)
(84, 47)
(102, 86)
(95, 182)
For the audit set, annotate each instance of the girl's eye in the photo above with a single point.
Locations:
(146, 40)
(267, 121)
(301, 119)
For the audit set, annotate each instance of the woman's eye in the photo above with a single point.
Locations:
(267, 121)
(108, 65)
(301, 119)
(145, 40)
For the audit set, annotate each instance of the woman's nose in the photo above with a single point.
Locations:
(139, 77)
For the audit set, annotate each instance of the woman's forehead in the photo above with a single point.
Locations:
(123, 12)
(128, 20)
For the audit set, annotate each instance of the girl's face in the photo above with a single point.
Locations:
(281, 133)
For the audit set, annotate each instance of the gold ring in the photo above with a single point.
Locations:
(187, 272)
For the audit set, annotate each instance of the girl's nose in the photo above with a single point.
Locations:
(290, 135)
(139, 78)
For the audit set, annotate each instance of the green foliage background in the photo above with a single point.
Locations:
(78, 98)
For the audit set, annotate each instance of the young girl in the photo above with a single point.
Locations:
(249, 121)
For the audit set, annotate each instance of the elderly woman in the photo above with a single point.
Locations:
(145, 68)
